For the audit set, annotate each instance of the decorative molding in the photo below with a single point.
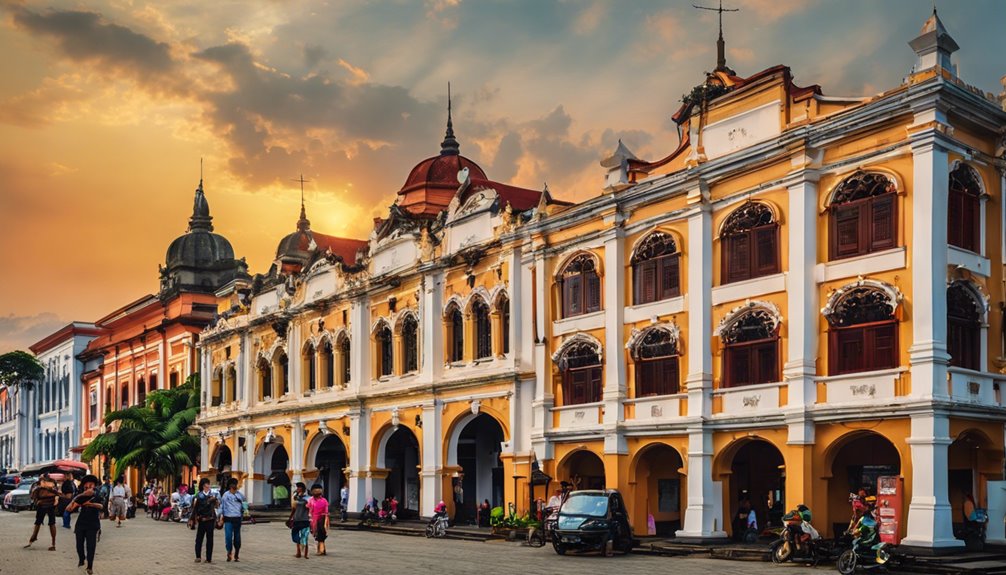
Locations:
(579, 338)
(771, 310)
(894, 295)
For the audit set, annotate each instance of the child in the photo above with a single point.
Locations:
(318, 507)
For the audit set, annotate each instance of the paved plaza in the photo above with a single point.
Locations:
(145, 546)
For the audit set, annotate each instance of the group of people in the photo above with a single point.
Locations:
(86, 498)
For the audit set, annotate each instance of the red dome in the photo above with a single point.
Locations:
(433, 182)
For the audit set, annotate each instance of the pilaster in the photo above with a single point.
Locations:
(432, 487)
(359, 329)
(359, 458)
(297, 450)
(930, 520)
(430, 313)
(614, 321)
(800, 370)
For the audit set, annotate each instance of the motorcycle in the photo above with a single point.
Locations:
(179, 513)
(437, 528)
(811, 552)
(867, 551)
(537, 537)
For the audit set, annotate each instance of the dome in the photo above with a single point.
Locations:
(200, 260)
(441, 171)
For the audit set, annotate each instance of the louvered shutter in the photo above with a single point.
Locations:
(882, 349)
(882, 223)
(847, 231)
(768, 365)
(573, 295)
(647, 278)
(593, 295)
(738, 366)
(670, 279)
(971, 223)
(766, 251)
(738, 257)
(955, 219)
(849, 350)
(595, 384)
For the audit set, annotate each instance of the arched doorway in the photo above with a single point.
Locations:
(658, 490)
(973, 460)
(401, 459)
(757, 480)
(478, 455)
(330, 462)
(272, 462)
(584, 469)
(858, 461)
(222, 462)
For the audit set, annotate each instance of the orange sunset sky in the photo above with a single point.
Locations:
(107, 107)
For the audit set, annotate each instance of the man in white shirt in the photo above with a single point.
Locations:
(117, 505)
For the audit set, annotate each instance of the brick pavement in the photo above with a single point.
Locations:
(143, 546)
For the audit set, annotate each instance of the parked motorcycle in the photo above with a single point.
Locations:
(437, 527)
(799, 542)
(179, 513)
(867, 551)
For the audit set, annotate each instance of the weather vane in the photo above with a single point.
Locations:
(721, 58)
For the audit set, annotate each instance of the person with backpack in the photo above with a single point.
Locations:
(205, 516)
(232, 504)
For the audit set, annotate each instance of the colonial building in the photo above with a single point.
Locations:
(150, 343)
(795, 300)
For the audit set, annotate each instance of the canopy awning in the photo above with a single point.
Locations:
(58, 466)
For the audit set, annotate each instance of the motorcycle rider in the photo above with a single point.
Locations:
(800, 528)
(867, 529)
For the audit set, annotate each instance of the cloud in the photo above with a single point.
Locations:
(43, 104)
(20, 331)
(86, 37)
(772, 10)
(590, 18)
(357, 75)
(443, 11)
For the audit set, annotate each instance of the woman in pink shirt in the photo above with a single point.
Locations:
(318, 506)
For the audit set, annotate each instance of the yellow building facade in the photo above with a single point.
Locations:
(801, 297)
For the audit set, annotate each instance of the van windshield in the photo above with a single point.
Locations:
(593, 504)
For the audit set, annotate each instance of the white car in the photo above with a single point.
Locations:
(20, 498)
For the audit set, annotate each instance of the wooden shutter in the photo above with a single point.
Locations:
(595, 384)
(955, 219)
(738, 368)
(848, 350)
(882, 348)
(738, 257)
(971, 224)
(847, 231)
(573, 294)
(644, 374)
(646, 278)
(883, 223)
(768, 364)
(766, 251)
(670, 278)
(592, 296)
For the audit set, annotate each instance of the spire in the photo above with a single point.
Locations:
(303, 224)
(934, 45)
(450, 146)
(721, 55)
(201, 219)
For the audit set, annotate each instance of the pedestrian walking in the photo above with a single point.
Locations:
(45, 495)
(117, 507)
(90, 504)
(344, 502)
(300, 520)
(67, 492)
(205, 515)
(106, 494)
(318, 506)
(232, 504)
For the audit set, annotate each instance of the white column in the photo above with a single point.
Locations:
(804, 310)
(541, 406)
(245, 372)
(515, 294)
(294, 359)
(703, 516)
(430, 311)
(614, 326)
(359, 330)
(930, 520)
(297, 450)
(250, 486)
(359, 458)
(525, 320)
(930, 180)
(204, 451)
(431, 489)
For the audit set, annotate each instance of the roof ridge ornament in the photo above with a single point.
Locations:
(201, 219)
(450, 145)
(721, 57)
(303, 224)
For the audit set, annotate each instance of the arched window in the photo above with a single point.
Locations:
(964, 220)
(863, 215)
(656, 357)
(125, 396)
(503, 307)
(483, 329)
(750, 243)
(386, 356)
(751, 350)
(141, 391)
(410, 344)
(216, 387)
(309, 374)
(264, 379)
(864, 332)
(455, 334)
(580, 366)
(283, 372)
(328, 364)
(580, 286)
(964, 327)
(655, 269)
(346, 365)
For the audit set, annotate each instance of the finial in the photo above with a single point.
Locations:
(721, 57)
(450, 145)
(201, 219)
(303, 224)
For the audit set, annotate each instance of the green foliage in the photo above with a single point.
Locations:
(20, 368)
(498, 519)
(153, 436)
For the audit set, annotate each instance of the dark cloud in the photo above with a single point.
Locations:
(20, 331)
(507, 159)
(86, 37)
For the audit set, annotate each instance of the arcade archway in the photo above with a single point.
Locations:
(330, 461)
(400, 456)
(973, 460)
(222, 463)
(477, 452)
(272, 462)
(756, 481)
(584, 469)
(857, 461)
(658, 490)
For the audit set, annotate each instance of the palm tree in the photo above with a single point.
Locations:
(153, 437)
(20, 369)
